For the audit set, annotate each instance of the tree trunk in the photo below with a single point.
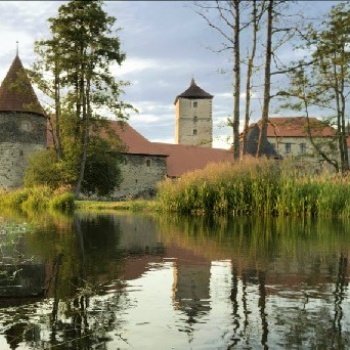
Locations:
(267, 79)
(250, 67)
(237, 80)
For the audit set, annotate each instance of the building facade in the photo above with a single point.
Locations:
(193, 117)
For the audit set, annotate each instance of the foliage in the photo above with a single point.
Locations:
(79, 56)
(321, 78)
(102, 173)
(35, 199)
(44, 169)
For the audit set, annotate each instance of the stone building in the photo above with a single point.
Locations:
(193, 117)
(22, 125)
(146, 163)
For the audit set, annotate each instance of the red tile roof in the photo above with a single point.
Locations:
(17, 93)
(297, 127)
(180, 158)
(184, 158)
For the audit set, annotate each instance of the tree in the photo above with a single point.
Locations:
(102, 174)
(43, 169)
(258, 9)
(323, 82)
(229, 13)
(79, 55)
(276, 36)
(235, 16)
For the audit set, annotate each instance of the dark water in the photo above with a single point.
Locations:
(168, 282)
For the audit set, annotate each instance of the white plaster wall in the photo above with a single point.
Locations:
(185, 122)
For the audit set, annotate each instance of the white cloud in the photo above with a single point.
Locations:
(133, 65)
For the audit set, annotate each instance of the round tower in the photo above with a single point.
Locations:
(22, 125)
(193, 113)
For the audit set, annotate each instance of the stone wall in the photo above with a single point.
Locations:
(23, 127)
(21, 135)
(140, 174)
(13, 162)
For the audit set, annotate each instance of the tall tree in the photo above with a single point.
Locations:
(324, 81)
(79, 55)
(257, 11)
(230, 16)
(276, 36)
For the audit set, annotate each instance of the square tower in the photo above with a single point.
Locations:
(193, 113)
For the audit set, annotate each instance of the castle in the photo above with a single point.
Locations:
(24, 131)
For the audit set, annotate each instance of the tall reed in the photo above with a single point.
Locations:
(257, 186)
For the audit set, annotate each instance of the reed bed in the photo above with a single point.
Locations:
(257, 186)
(35, 199)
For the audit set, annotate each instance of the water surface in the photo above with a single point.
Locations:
(169, 282)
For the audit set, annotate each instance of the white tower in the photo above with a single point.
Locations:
(193, 113)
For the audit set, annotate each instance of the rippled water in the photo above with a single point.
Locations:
(150, 282)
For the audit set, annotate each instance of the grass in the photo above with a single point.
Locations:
(110, 206)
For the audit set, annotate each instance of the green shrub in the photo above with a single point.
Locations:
(62, 202)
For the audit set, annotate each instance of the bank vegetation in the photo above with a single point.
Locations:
(257, 187)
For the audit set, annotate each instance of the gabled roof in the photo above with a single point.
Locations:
(17, 93)
(134, 142)
(251, 144)
(194, 91)
(180, 158)
(297, 127)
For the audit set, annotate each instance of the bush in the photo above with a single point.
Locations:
(62, 202)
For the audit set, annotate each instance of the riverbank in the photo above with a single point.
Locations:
(111, 206)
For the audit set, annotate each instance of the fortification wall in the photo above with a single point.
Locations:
(21, 135)
(140, 174)
(14, 161)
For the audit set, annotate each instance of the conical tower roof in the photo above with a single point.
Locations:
(194, 91)
(17, 93)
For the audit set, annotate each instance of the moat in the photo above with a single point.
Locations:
(131, 281)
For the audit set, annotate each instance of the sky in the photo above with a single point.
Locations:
(166, 44)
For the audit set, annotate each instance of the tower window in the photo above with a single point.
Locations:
(194, 131)
(195, 104)
(25, 126)
(148, 162)
(195, 119)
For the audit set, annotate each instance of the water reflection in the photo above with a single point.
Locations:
(159, 282)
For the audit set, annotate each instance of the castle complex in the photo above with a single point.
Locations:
(23, 131)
